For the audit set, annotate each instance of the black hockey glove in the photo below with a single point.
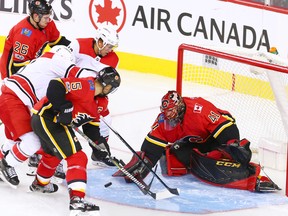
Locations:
(176, 146)
(65, 115)
(240, 151)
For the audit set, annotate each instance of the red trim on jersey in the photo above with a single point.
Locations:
(25, 86)
(48, 55)
(73, 72)
(86, 46)
(18, 154)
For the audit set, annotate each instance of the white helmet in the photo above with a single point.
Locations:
(63, 52)
(108, 35)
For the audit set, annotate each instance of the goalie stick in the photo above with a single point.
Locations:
(140, 183)
(174, 191)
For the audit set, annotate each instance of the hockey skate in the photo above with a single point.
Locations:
(33, 164)
(264, 184)
(49, 188)
(78, 207)
(8, 174)
(101, 159)
(59, 174)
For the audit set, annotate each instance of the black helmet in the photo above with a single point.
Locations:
(109, 76)
(41, 7)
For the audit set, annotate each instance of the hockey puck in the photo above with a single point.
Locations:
(108, 184)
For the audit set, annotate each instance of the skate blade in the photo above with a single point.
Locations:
(32, 171)
(268, 190)
(55, 179)
(87, 213)
(101, 164)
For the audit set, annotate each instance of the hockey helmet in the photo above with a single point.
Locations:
(64, 52)
(172, 106)
(40, 7)
(108, 35)
(109, 77)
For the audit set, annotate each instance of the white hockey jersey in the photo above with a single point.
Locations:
(31, 82)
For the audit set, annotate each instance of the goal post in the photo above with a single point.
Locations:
(252, 85)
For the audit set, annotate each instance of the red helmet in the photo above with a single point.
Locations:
(172, 106)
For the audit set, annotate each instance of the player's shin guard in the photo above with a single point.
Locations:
(136, 167)
(76, 175)
(47, 167)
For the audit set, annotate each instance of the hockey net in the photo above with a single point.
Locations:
(252, 85)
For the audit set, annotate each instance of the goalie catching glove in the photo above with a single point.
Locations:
(136, 167)
(240, 151)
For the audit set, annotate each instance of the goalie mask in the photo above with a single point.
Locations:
(109, 79)
(40, 7)
(173, 108)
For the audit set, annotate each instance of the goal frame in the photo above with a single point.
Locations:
(192, 48)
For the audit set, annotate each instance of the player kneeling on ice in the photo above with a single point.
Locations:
(205, 142)
(70, 102)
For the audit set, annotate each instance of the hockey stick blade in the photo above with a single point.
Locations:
(143, 187)
(174, 191)
(157, 196)
(140, 183)
(165, 195)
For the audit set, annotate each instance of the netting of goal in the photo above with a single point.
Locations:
(252, 85)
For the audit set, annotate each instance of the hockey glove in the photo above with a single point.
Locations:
(65, 115)
(136, 168)
(82, 119)
(240, 151)
(177, 146)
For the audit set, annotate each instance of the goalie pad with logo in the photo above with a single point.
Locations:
(136, 167)
(225, 173)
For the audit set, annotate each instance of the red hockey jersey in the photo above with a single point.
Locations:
(80, 91)
(25, 43)
(201, 121)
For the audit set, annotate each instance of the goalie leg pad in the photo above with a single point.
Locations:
(224, 173)
(136, 167)
(171, 166)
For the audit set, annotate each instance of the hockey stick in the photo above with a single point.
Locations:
(141, 185)
(171, 190)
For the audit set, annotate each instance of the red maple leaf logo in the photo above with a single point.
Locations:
(107, 13)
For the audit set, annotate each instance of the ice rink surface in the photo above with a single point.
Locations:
(134, 107)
